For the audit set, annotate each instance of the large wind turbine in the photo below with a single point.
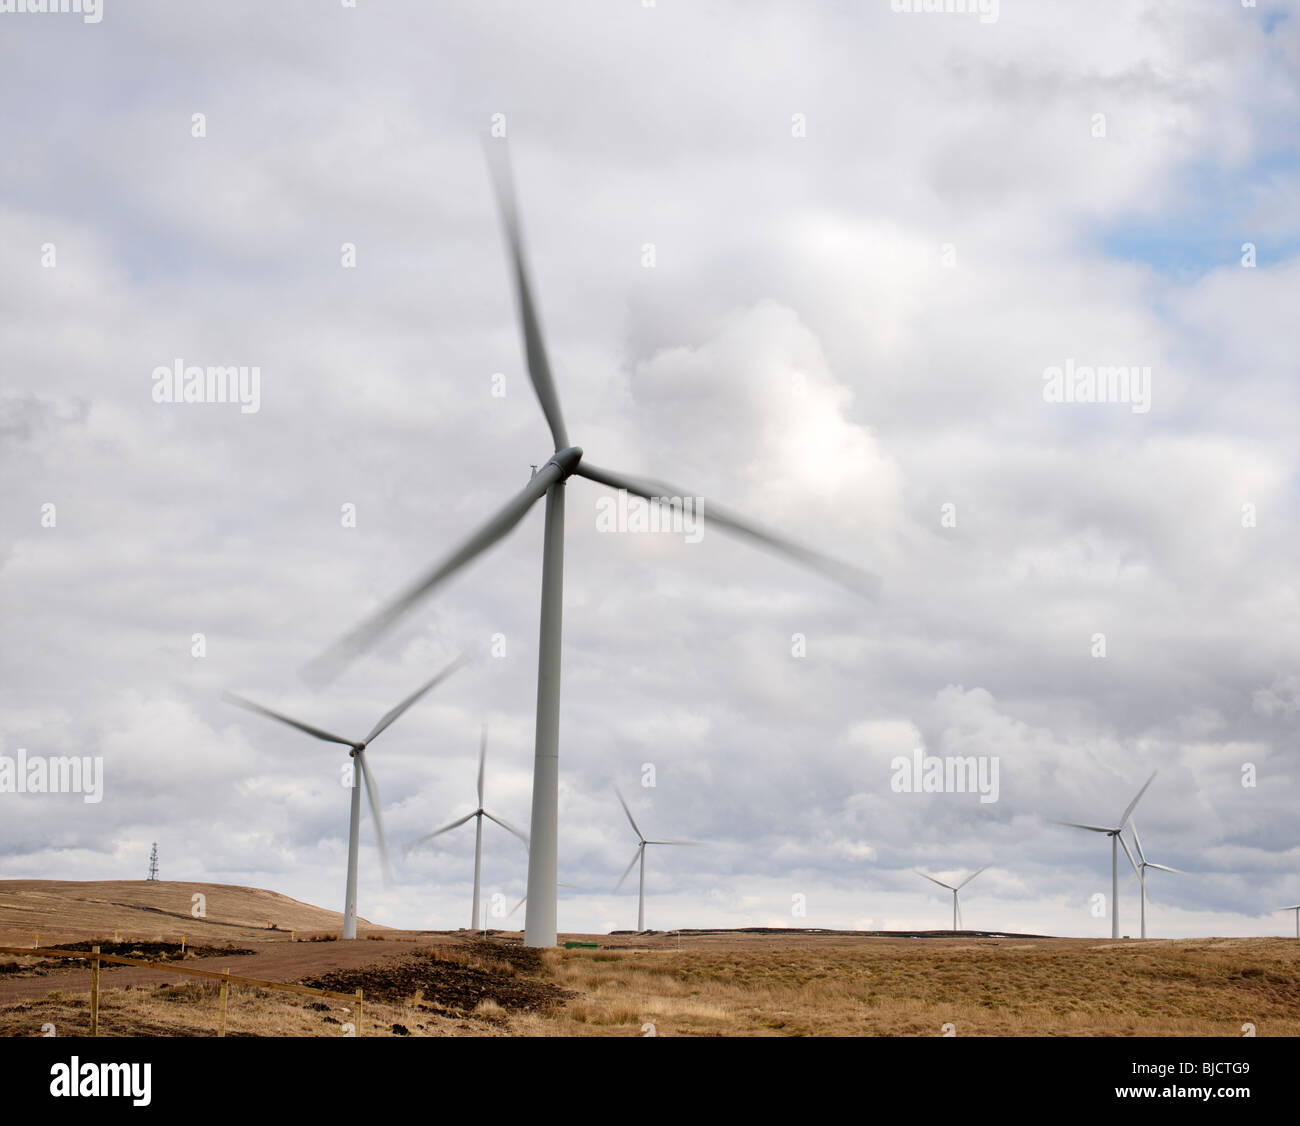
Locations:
(640, 855)
(1296, 908)
(1115, 835)
(955, 889)
(549, 482)
(1140, 872)
(478, 815)
(357, 749)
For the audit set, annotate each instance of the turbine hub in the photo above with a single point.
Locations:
(566, 460)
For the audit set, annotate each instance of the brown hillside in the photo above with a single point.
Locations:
(69, 910)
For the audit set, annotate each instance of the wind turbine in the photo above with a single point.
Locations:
(956, 900)
(549, 482)
(640, 855)
(524, 899)
(1140, 872)
(357, 749)
(1296, 909)
(478, 815)
(1115, 835)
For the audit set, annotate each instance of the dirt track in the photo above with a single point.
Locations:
(279, 961)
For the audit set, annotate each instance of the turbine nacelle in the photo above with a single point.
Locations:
(566, 460)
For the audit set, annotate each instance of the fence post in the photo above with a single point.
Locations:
(360, 1002)
(94, 990)
(225, 992)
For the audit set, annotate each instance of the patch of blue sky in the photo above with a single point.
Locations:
(1215, 212)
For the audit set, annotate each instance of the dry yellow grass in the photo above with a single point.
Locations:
(834, 986)
(193, 1010)
(790, 985)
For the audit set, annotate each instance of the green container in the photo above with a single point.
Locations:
(580, 946)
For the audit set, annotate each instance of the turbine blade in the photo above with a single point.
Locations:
(1124, 820)
(855, 578)
(635, 857)
(1166, 868)
(506, 826)
(319, 733)
(629, 815)
(1076, 825)
(439, 832)
(516, 906)
(972, 876)
(539, 367)
(695, 843)
(327, 665)
(1130, 881)
(961, 923)
(932, 879)
(1137, 840)
(1293, 907)
(1124, 845)
(372, 796)
(482, 762)
(413, 698)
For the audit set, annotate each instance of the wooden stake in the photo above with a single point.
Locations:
(225, 992)
(359, 1004)
(94, 990)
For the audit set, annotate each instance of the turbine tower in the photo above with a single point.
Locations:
(478, 815)
(1296, 909)
(1115, 836)
(1140, 872)
(955, 889)
(549, 482)
(640, 855)
(357, 750)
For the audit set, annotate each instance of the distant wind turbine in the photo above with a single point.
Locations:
(1140, 872)
(640, 855)
(1296, 909)
(478, 815)
(524, 899)
(956, 901)
(1115, 835)
(357, 749)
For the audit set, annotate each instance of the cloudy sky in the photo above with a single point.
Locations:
(808, 261)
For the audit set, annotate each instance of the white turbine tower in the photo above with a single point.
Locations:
(478, 815)
(1296, 909)
(1140, 872)
(1115, 835)
(640, 855)
(357, 749)
(955, 889)
(549, 481)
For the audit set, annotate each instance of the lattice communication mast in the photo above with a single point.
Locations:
(153, 862)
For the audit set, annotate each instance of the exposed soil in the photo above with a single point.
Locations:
(146, 951)
(273, 961)
(448, 985)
